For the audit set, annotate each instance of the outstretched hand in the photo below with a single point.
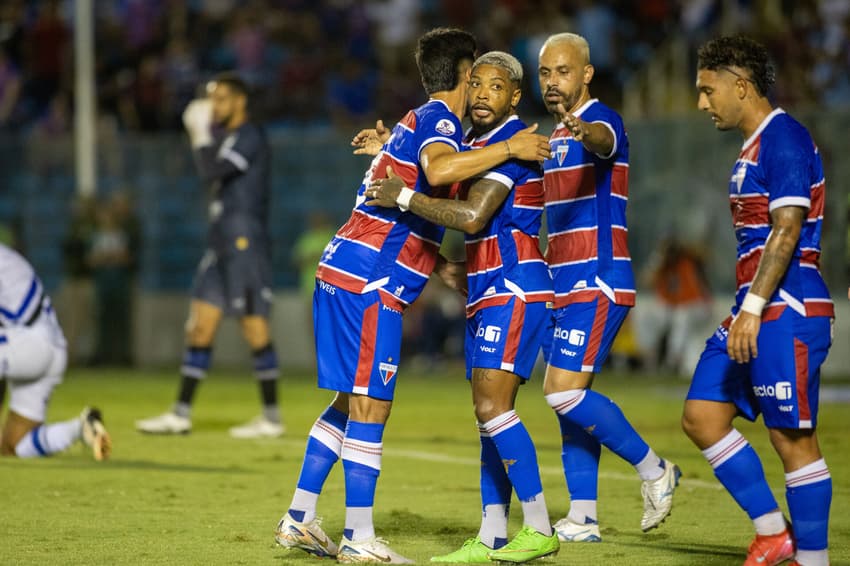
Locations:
(384, 192)
(573, 123)
(370, 140)
(528, 146)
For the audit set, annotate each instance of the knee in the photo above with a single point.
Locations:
(690, 424)
(198, 333)
(488, 408)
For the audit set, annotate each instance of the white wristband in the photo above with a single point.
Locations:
(753, 304)
(403, 198)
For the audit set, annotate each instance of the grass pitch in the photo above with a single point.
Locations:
(207, 499)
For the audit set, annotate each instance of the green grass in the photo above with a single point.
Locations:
(207, 499)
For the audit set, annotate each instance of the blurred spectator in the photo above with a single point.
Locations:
(47, 48)
(112, 257)
(10, 89)
(76, 299)
(308, 250)
(671, 332)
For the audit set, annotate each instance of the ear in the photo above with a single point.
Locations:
(741, 88)
(515, 98)
(588, 73)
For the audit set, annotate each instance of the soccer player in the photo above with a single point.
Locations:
(586, 188)
(376, 265)
(235, 276)
(766, 357)
(33, 356)
(508, 288)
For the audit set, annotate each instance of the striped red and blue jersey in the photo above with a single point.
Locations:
(586, 197)
(779, 165)
(503, 260)
(386, 249)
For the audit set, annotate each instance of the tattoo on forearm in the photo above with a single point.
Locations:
(777, 254)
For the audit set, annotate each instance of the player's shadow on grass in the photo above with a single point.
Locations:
(694, 549)
(139, 465)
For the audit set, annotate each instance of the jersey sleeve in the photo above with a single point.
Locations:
(439, 128)
(613, 122)
(787, 170)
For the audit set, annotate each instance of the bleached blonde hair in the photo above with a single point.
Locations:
(573, 39)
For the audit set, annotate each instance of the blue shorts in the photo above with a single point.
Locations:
(358, 341)
(238, 283)
(580, 335)
(506, 337)
(782, 382)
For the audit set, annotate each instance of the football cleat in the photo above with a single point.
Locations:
(258, 427)
(473, 551)
(94, 434)
(658, 496)
(167, 423)
(570, 531)
(370, 550)
(528, 544)
(307, 536)
(769, 550)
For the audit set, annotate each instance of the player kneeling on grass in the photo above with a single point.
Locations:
(32, 362)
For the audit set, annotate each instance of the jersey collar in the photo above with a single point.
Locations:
(776, 112)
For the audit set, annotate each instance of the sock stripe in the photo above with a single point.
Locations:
(328, 436)
(503, 424)
(813, 477)
(364, 453)
(738, 444)
(36, 441)
(564, 401)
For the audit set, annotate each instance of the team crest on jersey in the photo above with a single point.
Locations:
(445, 127)
(561, 152)
(387, 371)
(740, 174)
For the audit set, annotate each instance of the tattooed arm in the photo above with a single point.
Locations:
(470, 215)
(778, 250)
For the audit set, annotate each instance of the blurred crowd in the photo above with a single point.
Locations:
(345, 62)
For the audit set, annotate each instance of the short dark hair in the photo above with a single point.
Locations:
(439, 54)
(739, 51)
(233, 81)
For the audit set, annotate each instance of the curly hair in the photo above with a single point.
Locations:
(742, 52)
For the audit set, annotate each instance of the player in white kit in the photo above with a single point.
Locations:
(33, 357)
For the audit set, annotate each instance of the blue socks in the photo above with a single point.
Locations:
(361, 459)
(808, 492)
(739, 469)
(323, 449)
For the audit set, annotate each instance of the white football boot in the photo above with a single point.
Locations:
(658, 496)
(258, 427)
(570, 531)
(371, 550)
(307, 536)
(167, 423)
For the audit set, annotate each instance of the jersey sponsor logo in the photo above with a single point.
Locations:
(327, 288)
(573, 337)
(398, 291)
(781, 391)
(387, 371)
(488, 349)
(490, 333)
(445, 127)
(561, 152)
(568, 353)
(786, 408)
